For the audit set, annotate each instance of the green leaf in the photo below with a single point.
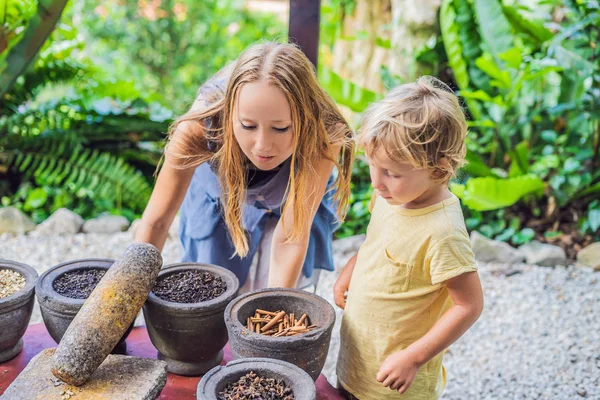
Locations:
(457, 189)
(36, 199)
(535, 29)
(520, 160)
(454, 51)
(487, 64)
(475, 166)
(494, 27)
(590, 190)
(525, 236)
(571, 165)
(345, 92)
(512, 57)
(483, 194)
(594, 220)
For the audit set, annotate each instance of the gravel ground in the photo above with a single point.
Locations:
(538, 337)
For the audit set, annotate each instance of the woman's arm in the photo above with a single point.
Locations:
(287, 258)
(167, 196)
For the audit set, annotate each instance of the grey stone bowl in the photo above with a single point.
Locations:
(58, 311)
(190, 336)
(307, 351)
(15, 311)
(217, 379)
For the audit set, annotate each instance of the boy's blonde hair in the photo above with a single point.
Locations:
(420, 123)
(318, 127)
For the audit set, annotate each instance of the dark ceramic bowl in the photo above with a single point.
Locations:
(58, 311)
(307, 351)
(217, 379)
(190, 336)
(15, 311)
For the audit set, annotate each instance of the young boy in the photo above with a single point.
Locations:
(413, 288)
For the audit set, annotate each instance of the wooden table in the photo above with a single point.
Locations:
(178, 387)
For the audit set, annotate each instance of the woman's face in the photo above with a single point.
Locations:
(262, 124)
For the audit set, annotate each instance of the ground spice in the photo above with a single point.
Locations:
(78, 284)
(252, 386)
(278, 323)
(10, 282)
(189, 286)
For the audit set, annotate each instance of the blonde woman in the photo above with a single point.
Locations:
(251, 165)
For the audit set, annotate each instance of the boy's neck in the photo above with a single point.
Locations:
(435, 194)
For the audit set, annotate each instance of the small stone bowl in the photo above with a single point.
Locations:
(15, 311)
(58, 311)
(307, 351)
(217, 379)
(190, 336)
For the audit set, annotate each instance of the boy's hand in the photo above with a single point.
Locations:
(343, 282)
(339, 291)
(398, 371)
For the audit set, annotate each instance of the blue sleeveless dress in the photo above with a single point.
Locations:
(205, 237)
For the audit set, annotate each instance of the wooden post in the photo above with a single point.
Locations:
(304, 27)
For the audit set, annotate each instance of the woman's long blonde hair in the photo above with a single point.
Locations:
(317, 126)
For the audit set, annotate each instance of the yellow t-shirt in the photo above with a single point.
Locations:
(397, 293)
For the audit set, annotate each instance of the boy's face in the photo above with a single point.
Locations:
(400, 183)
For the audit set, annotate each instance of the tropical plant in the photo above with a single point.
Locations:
(84, 151)
(530, 86)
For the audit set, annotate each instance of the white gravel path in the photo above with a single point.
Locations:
(538, 337)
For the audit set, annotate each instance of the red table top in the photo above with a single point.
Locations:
(178, 387)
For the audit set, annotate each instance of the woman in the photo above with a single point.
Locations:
(251, 166)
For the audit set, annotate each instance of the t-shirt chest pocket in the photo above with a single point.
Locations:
(397, 274)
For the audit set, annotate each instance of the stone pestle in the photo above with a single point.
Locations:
(107, 313)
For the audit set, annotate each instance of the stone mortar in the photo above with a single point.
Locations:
(15, 311)
(190, 336)
(308, 351)
(217, 379)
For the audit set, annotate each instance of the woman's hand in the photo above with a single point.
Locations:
(343, 283)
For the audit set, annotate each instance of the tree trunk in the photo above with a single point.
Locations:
(356, 55)
(384, 33)
(414, 23)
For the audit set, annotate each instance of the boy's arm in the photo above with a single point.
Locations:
(343, 282)
(399, 369)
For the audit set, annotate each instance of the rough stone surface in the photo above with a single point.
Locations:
(546, 255)
(14, 221)
(106, 224)
(488, 250)
(107, 313)
(61, 222)
(118, 378)
(590, 256)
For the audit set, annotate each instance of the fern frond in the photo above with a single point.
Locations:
(66, 163)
